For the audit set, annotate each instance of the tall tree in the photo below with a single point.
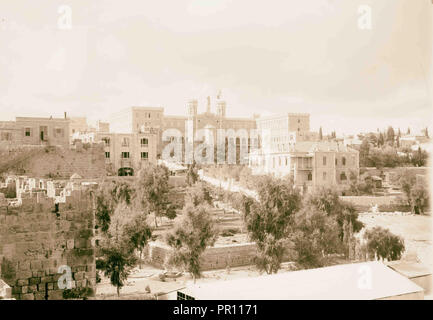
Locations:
(107, 197)
(268, 220)
(198, 194)
(117, 262)
(153, 192)
(190, 237)
(364, 151)
(390, 135)
(314, 235)
(381, 140)
(419, 158)
(138, 233)
(192, 174)
(320, 134)
(408, 131)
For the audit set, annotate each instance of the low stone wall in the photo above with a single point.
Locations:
(384, 203)
(234, 255)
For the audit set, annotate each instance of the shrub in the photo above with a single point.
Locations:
(384, 244)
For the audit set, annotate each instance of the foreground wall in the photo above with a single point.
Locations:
(34, 243)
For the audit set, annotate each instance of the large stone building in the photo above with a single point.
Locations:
(309, 163)
(126, 153)
(181, 129)
(279, 131)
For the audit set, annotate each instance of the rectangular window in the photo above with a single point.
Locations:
(324, 161)
(125, 142)
(144, 142)
(28, 132)
(58, 133)
(107, 155)
(125, 155)
(324, 175)
(182, 296)
(107, 141)
(144, 155)
(6, 136)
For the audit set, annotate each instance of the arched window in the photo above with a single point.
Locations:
(344, 161)
(310, 176)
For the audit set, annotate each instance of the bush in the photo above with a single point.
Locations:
(77, 293)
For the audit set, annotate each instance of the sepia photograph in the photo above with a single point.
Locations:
(230, 151)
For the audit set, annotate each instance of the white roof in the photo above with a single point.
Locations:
(76, 176)
(341, 282)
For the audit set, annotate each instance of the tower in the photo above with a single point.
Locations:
(192, 108)
(221, 106)
(208, 105)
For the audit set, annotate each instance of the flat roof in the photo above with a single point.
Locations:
(41, 119)
(341, 282)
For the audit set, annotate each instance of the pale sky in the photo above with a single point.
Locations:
(267, 57)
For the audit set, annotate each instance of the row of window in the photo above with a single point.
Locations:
(126, 155)
(57, 132)
(343, 161)
(125, 142)
(324, 176)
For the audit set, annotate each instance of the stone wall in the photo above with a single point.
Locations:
(234, 255)
(35, 242)
(56, 162)
(384, 203)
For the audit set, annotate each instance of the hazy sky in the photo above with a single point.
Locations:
(267, 57)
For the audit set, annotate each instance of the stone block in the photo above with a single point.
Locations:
(70, 244)
(28, 296)
(24, 265)
(32, 288)
(34, 281)
(38, 274)
(24, 274)
(47, 279)
(16, 290)
(40, 295)
(36, 265)
(79, 275)
(23, 282)
(55, 295)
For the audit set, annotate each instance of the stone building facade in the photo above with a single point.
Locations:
(169, 128)
(126, 153)
(33, 131)
(309, 163)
